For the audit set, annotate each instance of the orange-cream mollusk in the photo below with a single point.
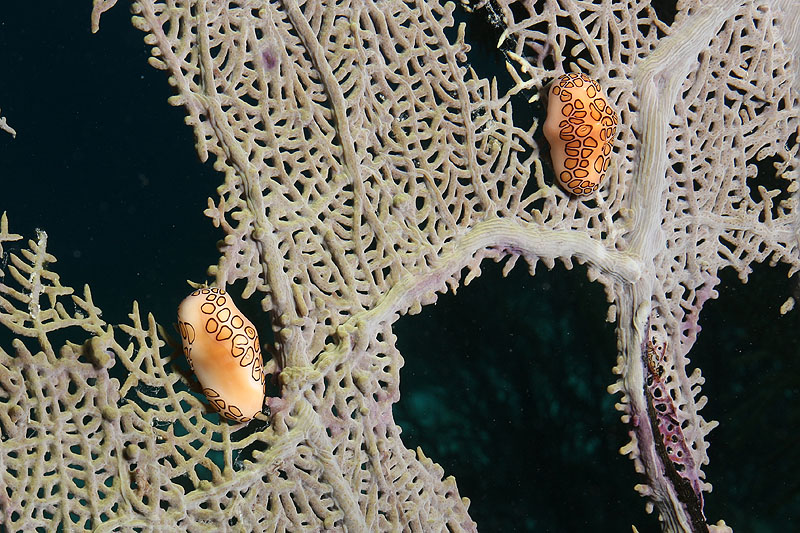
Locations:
(222, 347)
(580, 128)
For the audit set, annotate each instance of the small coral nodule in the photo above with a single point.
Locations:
(580, 128)
(222, 348)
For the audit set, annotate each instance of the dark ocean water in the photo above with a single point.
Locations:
(503, 384)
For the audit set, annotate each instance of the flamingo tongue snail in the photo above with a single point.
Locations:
(580, 128)
(222, 348)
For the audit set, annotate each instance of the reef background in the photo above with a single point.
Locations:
(123, 212)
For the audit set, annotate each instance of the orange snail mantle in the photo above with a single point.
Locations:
(580, 128)
(222, 348)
